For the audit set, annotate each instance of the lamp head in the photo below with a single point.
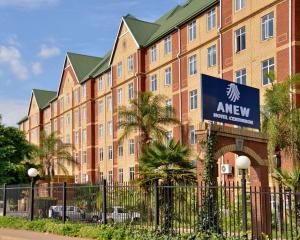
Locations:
(32, 172)
(243, 162)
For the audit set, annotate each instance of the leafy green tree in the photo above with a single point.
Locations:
(281, 118)
(289, 179)
(15, 156)
(149, 115)
(52, 153)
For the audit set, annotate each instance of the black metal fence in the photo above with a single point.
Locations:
(222, 208)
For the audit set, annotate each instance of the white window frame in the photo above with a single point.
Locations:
(101, 154)
(193, 138)
(109, 79)
(101, 130)
(153, 54)
(100, 84)
(101, 106)
(83, 90)
(130, 91)
(240, 39)
(109, 103)
(193, 99)
(212, 56)
(131, 173)
(154, 82)
(120, 96)
(120, 150)
(131, 146)
(168, 76)
(239, 5)
(109, 126)
(119, 69)
(267, 23)
(130, 63)
(120, 175)
(110, 153)
(192, 31)
(193, 65)
(211, 19)
(241, 76)
(269, 67)
(168, 45)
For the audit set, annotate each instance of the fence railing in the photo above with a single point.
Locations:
(170, 209)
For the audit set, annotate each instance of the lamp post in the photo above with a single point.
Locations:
(32, 173)
(243, 163)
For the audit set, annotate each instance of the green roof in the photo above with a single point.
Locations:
(145, 33)
(22, 120)
(82, 64)
(43, 97)
(101, 67)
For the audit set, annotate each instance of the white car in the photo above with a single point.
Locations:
(72, 212)
(119, 215)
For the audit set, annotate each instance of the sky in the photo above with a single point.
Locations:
(35, 36)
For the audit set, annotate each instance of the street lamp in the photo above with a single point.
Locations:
(243, 163)
(32, 172)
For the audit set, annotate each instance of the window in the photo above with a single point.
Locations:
(131, 146)
(193, 64)
(68, 119)
(76, 178)
(109, 103)
(211, 19)
(76, 96)
(119, 69)
(130, 91)
(83, 114)
(61, 104)
(101, 154)
(120, 177)
(153, 54)
(120, 150)
(240, 39)
(193, 99)
(100, 84)
(83, 135)
(120, 96)
(110, 153)
(100, 130)
(84, 156)
(62, 123)
(169, 136)
(109, 79)
(100, 106)
(68, 98)
(192, 135)
(130, 63)
(101, 177)
(267, 67)
(76, 137)
(110, 177)
(131, 173)
(109, 126)
(192, 31)
(212, 56)
(168, 76)
(240, 76)
(153, 82)
(169, 107)
(84, 178)
(168, 45)
(267, 26)
(83, 90)
(239, 4)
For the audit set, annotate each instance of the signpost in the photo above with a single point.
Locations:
(229, 102)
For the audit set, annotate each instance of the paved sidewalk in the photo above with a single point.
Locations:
(10, 234)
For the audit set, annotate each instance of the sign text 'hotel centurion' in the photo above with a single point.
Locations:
(229, 102)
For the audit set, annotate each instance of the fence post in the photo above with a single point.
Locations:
(32, 201)
(244, 203)
(156, 201)
(104, 202)
(4, 199)
(64, 202)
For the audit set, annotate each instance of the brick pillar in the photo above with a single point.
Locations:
(260, 197)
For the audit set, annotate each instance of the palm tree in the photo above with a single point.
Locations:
(169, 164)
(289, 179)
(53, 152)
(149, 115)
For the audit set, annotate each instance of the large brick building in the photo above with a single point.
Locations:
(238, 40)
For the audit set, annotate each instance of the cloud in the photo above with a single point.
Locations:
(12, 57)
(12, 111)
(37, 68)
(28, 4)
(49, 51)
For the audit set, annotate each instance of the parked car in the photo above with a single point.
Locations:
(72, 212)
(117, 215)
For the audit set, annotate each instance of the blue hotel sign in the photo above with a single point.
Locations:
(229, 102)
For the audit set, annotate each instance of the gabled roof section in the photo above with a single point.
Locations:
(141, 30)
(43, 97)
(22, 120)
(100, 68)
(82, 64)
